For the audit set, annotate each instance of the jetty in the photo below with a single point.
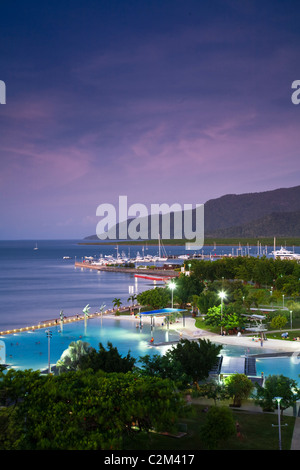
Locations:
(157, 274)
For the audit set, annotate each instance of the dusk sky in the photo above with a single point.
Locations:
(162, 101)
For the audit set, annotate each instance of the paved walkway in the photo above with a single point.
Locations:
(296, 436)
(276, 345)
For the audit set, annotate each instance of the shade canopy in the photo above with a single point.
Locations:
(163, 311)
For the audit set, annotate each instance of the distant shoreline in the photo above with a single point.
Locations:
(280, 241)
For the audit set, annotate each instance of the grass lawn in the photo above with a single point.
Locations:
(257, 433)
(277, 335)
(202, 325)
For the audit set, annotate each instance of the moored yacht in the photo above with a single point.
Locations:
(283, 253)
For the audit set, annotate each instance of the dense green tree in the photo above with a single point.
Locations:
(278, 322)
(219, 425)
(213, 316)
(187, 362)
(213, 390)
(14, 386)
(288, 284)
(277, 386)
(108, 360)
(196, 358)
(262, 271)
(228, 319)
(165, 367)
(86, 410)
(158, 297)
(207, 300)
(186, 288)
(257, 297)
(238, 387)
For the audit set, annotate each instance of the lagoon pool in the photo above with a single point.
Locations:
(287, 366)
(29, 350)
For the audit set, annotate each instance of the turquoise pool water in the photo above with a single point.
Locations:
(30, 349)
(287, 366)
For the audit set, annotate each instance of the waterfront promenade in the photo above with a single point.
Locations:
(70, 319)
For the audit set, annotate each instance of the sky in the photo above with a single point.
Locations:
(161, 101)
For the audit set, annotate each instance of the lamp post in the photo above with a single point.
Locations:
(291, 318)
(49, 336)
(172, 286)
(279, 425)
(271, 294)
(222, 295)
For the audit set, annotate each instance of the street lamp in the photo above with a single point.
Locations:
(49, 336)
(172, 286)
(279, 425)
(222, 295)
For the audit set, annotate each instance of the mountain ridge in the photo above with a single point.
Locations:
(268, 213)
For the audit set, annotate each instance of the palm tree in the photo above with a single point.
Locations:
(117, 302)
(131, 299)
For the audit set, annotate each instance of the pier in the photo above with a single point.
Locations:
(160, 273)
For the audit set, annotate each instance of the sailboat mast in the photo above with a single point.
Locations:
(159, 245)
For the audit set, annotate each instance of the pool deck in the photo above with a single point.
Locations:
(275, 345)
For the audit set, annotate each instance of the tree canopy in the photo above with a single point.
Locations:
(108, 360)
(277, 386)
(188, 361)
(82, 410)
(154, 298)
